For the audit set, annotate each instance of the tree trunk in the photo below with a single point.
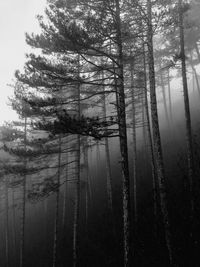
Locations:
(190, 159)
(197, 79)
(193, 84)
(22, 242)
(13, 224)
(65, 194)
(87, 186)
(194, 74)
(76, 207)
(123, 141)
(77, 190)
(164, 96)
(108, 163)
(169, 95)
(153, 165)
(134, 150)
(157, 140)
(196, 48)
(55, 244)
(6, 222)
(109, 177)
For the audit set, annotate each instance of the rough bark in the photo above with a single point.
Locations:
(190, 159)
(134, 149)
(153, 165)
(123, 141)
(157, 140)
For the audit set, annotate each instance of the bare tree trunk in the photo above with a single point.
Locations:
(87, 182)
(196, 78)
(76, 207)
(6, 222)
(65, 194)
(153, 164)
(164, 96)
(86, 187)
(193, 85)
(123, 142)
(14, 223)
(22, 243)
(77, 191)
(190, 159)
(90, 185)
(108, 163)
(157, 140)
(55, 243)
(109, 177)
(134, 150)
(143, 121)
(169, 95)
(109, 180)
(195, 74)
(196, 48)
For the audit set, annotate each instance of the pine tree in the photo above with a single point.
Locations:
(187, 113)
(23, 219)
(56, 222)
(156, 138)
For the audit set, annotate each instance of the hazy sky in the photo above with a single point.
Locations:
(16, 18)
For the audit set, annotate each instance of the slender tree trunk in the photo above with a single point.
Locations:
(77, 194)
(13, 224)
(87, 186)
(90, 185)
(76, 207)
(56, 226)
(193, 85)
(190, 159)
(164, 96)
(153, 164)
(144, 130)
(143, 121)
(123, 141)
(109, 177)
(157, 140)
(22, 245)
(169, 95)
(194, 74)
(134, 149)
(6, 221)
(65, 194)
(108, 163)
(197, 49)
(197, 79)
(98, 155)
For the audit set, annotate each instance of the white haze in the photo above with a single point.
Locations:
(16, 18)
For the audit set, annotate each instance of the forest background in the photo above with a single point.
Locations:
(100, 85)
